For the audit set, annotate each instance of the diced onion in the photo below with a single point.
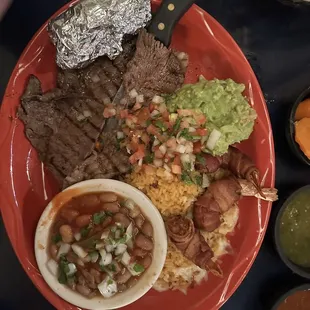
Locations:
(157, 99)
(133, 93)
(131, 269)
(94, 257)
(163, 149)
(79, 251)
(109, 248)
(105, 234)
(120, 135)
(191, 129)
(213, 138)
(120, 249)
(107, 287)
(158, 162)
(156, 142)
(140, 162)
(63, 250)
(129, 203)
(185, 158)
(125, 258)
(103, 253)
(77, 236)
(72, 270)
(167, 168)
(107, 260)
(130, 244)
(189, 147)
(80, 117)
(52, 267)
(180, 148)
(162, 108)
(140, 98)
(129, 231)
(99, 245)
(205, 181)
(154, 113)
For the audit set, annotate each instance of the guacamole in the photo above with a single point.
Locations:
(224, 106)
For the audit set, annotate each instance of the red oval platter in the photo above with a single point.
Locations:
(26, 187)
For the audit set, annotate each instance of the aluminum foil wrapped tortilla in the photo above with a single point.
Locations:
(93, 28)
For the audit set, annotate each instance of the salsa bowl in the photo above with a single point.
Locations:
(145, 281)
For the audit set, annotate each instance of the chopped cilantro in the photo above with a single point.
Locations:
(138, 268)
(62, 270)
(56, 238)
(149, 158)
(201, 159)
(187, 166)
(161, 125)
(148, 122)
(110, 282)
(99, 217)
(158, 115)
(85, 231)
(93, 253)
(186, 134)
(186, 178)
(176, 125)
(112, 267)
(108, 213)
(198, 180)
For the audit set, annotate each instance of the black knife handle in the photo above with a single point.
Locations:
(166, 17)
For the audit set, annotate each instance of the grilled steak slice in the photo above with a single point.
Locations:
(62, 127)
(109, 163)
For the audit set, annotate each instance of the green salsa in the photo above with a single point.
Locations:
(295, 229)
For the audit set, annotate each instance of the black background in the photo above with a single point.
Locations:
(276, 40)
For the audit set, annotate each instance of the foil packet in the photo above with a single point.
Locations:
(93, 28)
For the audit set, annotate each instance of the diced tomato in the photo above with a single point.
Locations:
(137, 106)
(123, 113)
(176, 169)
(197, 147)
(145, 138)
(165, 115)
(109, 112)
(139, 154)
(152, 130)
(201, 132)
(151, 107)
(177, 160)
(185, 112)
(200, 119)
(184, 124)
(158, 154)
(143, 115)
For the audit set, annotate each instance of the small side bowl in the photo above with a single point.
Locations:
(146, 281)
(279, 301)
(290, 130)
(301, 271)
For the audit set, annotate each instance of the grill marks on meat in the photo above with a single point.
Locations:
(217, 199)
(154, 69)
(53, 127)
(99, 80)
(110, 162)
(191, 243)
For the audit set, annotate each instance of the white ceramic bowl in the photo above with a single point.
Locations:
(147, 279)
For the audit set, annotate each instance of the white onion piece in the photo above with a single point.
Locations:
(120, 249)
(80, 117)
(129, 231)
(72, 269)
(157, 99)
(205, 181)
(80, 262)
(167, 168)
(154, 113)
(131, 269)
(133, 93)
(140, 162)
(189, 147)
(107, 287)
(140, 98)
(77, 236)
(129, 203)
(79, 251)
(130, 244)
(107, 260)
(156, 142)
(120, 135)
(163, 149)
(158, 162)
(52, 267)
(191, 129)
(185, 158)
(103, 253)
(99, 245)
(109, 248)
(125, 258)
(105, 234)
(213, 138)
(63, 250)
(181, 149)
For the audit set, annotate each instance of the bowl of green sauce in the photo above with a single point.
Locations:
(292, 232)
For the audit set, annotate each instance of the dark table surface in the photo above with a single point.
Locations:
(276, 40)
